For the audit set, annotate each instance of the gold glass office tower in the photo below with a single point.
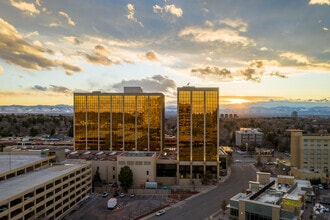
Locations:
(129, 121)
(197, 132)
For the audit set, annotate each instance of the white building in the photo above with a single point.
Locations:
(248, 137)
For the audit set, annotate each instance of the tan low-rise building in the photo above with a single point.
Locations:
(270, 198)
(36, 185)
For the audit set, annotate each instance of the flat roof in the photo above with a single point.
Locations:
(22, 183)
(137, 154)
(273, 194)
(10, 161)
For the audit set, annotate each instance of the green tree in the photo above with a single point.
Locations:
(258, 161)
(126, 178)
(70, 131)
(207, 177)
(33, 132)
(52, 132)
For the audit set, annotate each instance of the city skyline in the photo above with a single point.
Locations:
(252, 50)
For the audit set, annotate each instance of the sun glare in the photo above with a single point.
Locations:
(237, 101)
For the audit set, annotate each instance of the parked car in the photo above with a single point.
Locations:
(325, 186)
(122, 195)
(115, 194)
(160, 212)
(132, 195)
(320, 186)
(325, 202)
(105, 194)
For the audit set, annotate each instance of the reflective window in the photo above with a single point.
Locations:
(80, 121)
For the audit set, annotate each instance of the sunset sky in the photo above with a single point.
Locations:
(253, 50)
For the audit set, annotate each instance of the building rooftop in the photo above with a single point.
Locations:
(137, 154)
(278, 191)
(10, 161)
(275, 191)
(18, 184)
(248, 131)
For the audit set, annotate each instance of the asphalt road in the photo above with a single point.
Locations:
(198, 207)
(204, 204)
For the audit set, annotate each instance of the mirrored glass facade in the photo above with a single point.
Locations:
(198, 124)
(119, 121)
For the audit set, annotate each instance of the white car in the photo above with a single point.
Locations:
(160, 212)
(320, 186)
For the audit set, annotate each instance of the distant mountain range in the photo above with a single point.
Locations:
(267, 109)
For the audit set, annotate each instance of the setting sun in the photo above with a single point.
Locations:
(237, 101)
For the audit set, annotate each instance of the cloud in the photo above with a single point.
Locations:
(319, 2)
(278, 74)
(101, 49)
(131, 14)
(238, 24)
(258, 68)
(68, 67)
(73, 40)
(34, 33)
(264, 49)
(298, 58)
(69, 20)
(209, 23)
(28, 8)
(157, 9)
(38, 2)
(223, 36)
(251, 74)
(156, 83)
(17, 51)
(60, 89)
(151, 56)
(1, 69)
(254, 70)
(213, 71)
(173, 10)
(39, 88)
(325, 28)
(304, 62)
(53, 89)
(170, 10)
(99, 56)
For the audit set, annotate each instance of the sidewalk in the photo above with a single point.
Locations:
(202, 189)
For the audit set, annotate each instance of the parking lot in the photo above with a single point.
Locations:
(95, 207)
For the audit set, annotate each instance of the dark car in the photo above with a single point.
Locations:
(325, 186)
(105, 194)
(115, 194)
(325, 202)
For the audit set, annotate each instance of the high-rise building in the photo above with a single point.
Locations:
(129, 121)
(310, 155)
(197, 133)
